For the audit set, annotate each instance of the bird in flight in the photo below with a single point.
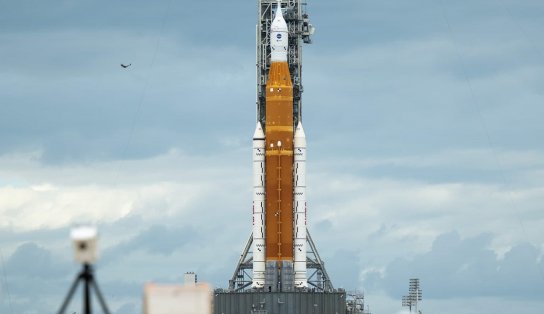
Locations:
(126, 65)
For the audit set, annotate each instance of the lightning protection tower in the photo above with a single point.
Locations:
(411, 301)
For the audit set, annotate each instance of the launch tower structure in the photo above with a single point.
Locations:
(299, 33)
(280, 270)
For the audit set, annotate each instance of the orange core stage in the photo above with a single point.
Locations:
(279, 163)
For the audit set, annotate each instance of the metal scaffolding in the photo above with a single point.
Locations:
(355, 303)
(318, 278)
(300, 31)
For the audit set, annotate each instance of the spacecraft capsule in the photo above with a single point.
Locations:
(279, 37)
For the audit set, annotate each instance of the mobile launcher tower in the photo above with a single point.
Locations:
(280, 270)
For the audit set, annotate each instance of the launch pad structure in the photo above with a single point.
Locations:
(318, 278)
(280, 270)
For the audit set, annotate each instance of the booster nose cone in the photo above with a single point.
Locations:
(259, 134)
(300, 136)
(279, 37)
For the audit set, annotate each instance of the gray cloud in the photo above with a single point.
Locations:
(156, 239)
(466, 268)
(47, 96)
(27, 305)
(343, 268)
(81, 44)
(32, 261)
(33, 278)
(9, 236)
(117, 290)
(127, 308)
(37, 278)
(166, 15)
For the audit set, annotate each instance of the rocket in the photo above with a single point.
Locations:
(279, 184)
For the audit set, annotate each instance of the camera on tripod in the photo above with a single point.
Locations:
(84, 243)
(85, 246)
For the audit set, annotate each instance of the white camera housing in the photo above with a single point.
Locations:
(84, 242)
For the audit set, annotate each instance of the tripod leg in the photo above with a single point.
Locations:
(100, 298)
(87, 296)
(70, 294)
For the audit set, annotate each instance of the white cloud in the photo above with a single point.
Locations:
(170, 185)
(28, 208)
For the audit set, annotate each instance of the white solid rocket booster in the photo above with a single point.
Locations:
(300, 207)
(258, 207)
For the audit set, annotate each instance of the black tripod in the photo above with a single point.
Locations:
(86, 275)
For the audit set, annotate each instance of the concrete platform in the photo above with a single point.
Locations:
(280, 302)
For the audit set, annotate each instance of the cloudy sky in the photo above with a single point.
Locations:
(425, 147)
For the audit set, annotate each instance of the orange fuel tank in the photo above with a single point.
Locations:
(279, 163)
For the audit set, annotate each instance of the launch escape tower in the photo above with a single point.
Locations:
(280, 270)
